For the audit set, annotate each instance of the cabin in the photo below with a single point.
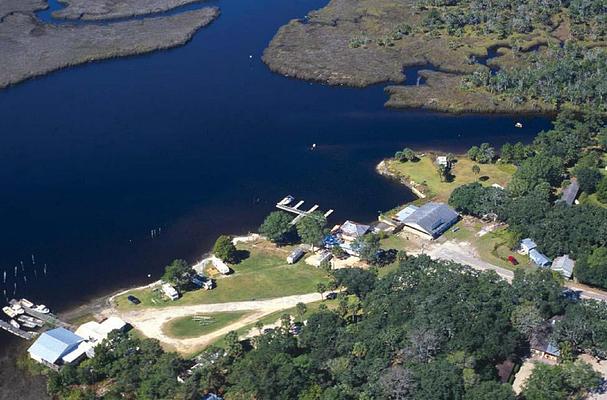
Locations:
(564, 266)
(350, 231)
(539, 259)
(569, 194)
(170, 292)
(542, 345)
(431, 220)
(527, 245)
(58, 347)
(295, 255)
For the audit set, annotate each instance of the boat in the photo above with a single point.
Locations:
(15, 324)
(42, 309)
(26, 303)
(286, 201)
(29, 325)
(518, 125)
(31, 320)
(9, 311)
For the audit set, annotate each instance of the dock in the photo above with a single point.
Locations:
(18, 332)
(284, 205)
(48, 318)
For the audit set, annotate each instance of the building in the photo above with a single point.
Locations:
(570, 193)
(541, 344)
(170, 291)
(527, 245)
(431, 220)
(95, 333)
(295, 255)
(350, 231)
(202, 282)
(442, 160)
(563, 265)
(57, 347)
(539, 259)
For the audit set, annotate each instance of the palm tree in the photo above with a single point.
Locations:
(321, 288)
(476, 169)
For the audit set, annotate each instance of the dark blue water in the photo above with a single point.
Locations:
(198, 141)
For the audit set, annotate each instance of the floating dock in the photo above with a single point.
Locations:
(48, 318)
(18, 332)
(284, 205)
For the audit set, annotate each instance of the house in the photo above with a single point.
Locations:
(569, 194)
(350, 231)
(95, 333)
(405, 212)
(295, 255)
(542, 345)
(527, 245)
(539, 259)
(563, 265)
(431, 220)
(170, 291)
(57, 347)
(202, 282)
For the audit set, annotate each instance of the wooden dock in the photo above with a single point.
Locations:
(18, 332)
(284, 205)
(48, 318)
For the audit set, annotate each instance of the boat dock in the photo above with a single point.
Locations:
(47, 318)
(18, 332)
(285, 205)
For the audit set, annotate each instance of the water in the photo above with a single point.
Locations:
(198, 141)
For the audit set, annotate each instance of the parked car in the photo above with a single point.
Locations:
(512, 260)
(331, 296)
(133, 300)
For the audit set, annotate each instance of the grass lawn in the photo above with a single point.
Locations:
(592, 199)
(198, 325)
(264, 274)
(424, 173)
(493, 248)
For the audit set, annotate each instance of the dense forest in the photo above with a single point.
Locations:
(427, 331)
(574, 148)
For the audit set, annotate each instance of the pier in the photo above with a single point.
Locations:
(285, 205)
(48, 318)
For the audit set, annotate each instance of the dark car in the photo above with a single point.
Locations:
(134, 300)
(331, 296)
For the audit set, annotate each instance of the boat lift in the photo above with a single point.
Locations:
(285, 205)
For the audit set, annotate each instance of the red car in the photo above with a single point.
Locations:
(512, 260)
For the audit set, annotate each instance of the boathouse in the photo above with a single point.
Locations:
(431, 220)
(57, 347)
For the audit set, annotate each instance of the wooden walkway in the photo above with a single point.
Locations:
(296, 210)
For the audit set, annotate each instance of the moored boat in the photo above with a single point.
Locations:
(9, 311)
(42, 309)
(26, 303)
(15, 324)
(30, 320)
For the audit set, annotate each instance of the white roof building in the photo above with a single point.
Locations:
(170, 291)
(95, 332)
(563, 265)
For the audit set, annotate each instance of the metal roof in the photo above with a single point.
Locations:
(528, 243)
(354, 229)
(405, 212)
(570, 192)
(564, 265)
(433, 218)
(54, 344)
(539, 259)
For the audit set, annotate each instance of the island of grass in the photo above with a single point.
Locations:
(364, 42)
(422, 175)
(200, 324)
(264, 274)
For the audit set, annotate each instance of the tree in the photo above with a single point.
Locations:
(537, 170)
(178, 273)
(588, 178)
(476, 169)
(277, 227)
(225, 249)
(321, 288)
(490, 390)
(475, 199)
(358, 281)
(310, 228)
(367, 247)
(438, 380)
(473, 153)
(584, 328)
(444, 173)
(565, 381)
(486, 154)
(601, 190)
(526, 318)
(301, 310)
(406, 155)
(592, 268)
(397, 383)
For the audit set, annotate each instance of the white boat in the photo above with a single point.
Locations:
(518, 125)
(26, 303)
(29, 325)
(9, 311)
(14, 323)
(26, 319)
(286, 201)
(18, 309)
(42, 309)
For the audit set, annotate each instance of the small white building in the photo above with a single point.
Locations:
(563, 265)
(527, 245)
(442, 160)
(95, 332)
(170, 291)
(295, 255)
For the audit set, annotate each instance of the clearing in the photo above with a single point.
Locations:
(199, 324)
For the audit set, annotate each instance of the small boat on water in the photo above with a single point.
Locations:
(286, 201)
(26, 319)
(41, 308)
(26, 303)
(29, 325)
(518, 125)
(9, 311)
(15, 324)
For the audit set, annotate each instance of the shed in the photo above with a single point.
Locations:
(539, 259)
(563, 265)
(53, 345)
(431, 220)
(442, 160)
(295, 255)
(353, 230)
(527, 245)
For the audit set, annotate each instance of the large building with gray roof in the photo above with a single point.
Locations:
(431, 220)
